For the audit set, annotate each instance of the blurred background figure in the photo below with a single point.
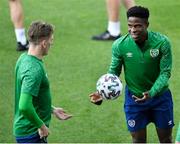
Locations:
(113, 30)
(17, 17)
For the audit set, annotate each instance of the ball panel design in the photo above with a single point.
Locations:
(109, 86)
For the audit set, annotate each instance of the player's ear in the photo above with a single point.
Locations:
(43, 43)
(147, 24)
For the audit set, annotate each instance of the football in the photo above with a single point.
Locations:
(109, 86)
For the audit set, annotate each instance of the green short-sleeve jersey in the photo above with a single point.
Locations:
(31, 78)
(147, 68)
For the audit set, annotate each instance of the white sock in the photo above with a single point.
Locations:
(20, 36)
(114, 28)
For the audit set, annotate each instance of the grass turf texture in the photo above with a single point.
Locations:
(74, 64)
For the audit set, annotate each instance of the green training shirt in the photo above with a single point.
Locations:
(31, 79)
(147, 68)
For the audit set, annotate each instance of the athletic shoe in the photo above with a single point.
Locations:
(21, 47)
(106, 36)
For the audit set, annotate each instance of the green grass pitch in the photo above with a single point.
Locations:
(74, 64)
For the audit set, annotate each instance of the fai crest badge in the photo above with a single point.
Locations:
(131, 123)
(154, 53)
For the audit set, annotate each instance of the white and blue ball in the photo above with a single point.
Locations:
(109, 86)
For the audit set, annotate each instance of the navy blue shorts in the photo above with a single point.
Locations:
(34, 138)
(158, 110)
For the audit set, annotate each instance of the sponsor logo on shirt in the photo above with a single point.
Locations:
(129, 54)
(131, 123)
(154, 53)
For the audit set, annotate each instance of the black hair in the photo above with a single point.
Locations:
(138, 11)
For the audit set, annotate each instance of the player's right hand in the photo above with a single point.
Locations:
(145, 97)
(95, 98)
(43, 131)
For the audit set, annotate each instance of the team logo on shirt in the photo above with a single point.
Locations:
(154, 53)
(131, 123)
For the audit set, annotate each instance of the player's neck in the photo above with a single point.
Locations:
(35, 50)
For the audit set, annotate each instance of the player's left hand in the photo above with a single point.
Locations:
(145, 97)
(61, 114)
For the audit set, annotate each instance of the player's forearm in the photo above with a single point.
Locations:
(27, 109)
(52, 108)
(114, 70)
(165, 70)
(160, 84)
(115, 67)
(116, 61)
